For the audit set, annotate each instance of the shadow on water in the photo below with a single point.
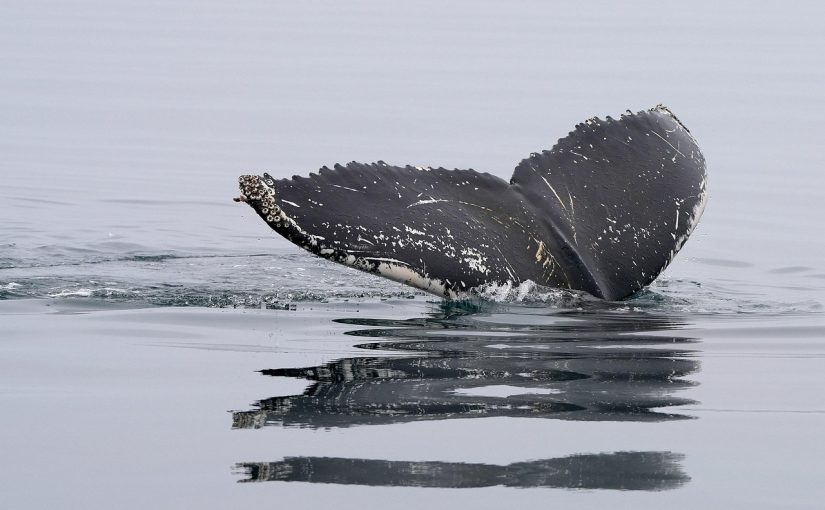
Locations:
(476, 361)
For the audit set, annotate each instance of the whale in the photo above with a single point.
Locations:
(604, 211)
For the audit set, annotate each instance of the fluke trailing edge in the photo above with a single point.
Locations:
(604, 211)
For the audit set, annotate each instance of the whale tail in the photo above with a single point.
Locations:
(604, 211)
(624, 195)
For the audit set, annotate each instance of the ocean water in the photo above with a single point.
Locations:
(161, 348)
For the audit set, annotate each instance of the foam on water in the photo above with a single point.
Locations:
(195, 280)
(131, 274)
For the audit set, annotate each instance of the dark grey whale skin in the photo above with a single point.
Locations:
(604, 211)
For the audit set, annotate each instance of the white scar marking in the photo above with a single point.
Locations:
(508, 269)
(572, 218)
(671, 145)
(475, 260)
(430, 201)
(474, 205)
(344, 187)
(554, 192)
(291, 203)
(381, 259)
(410, 277)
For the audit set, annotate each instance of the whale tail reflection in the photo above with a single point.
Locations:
(467, 363)
(610, 370)
(620, 471)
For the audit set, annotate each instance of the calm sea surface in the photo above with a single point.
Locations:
(160, 347)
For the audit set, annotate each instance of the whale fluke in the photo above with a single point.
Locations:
(604, 211)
